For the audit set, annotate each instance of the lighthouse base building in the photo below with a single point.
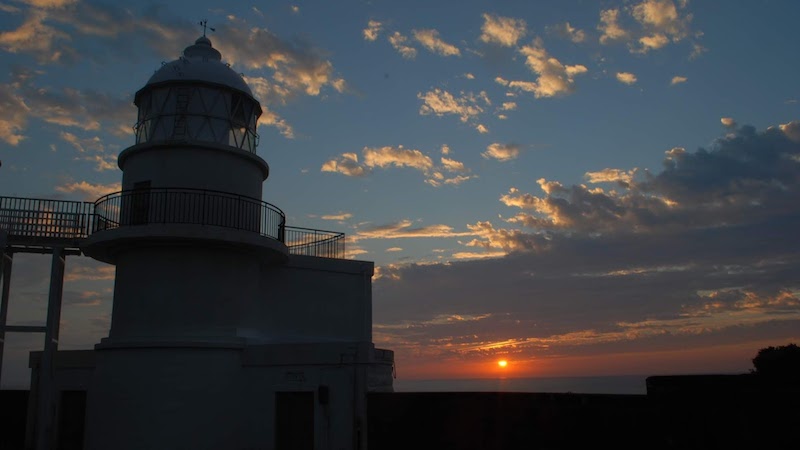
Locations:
(302, 387)
(229, 329)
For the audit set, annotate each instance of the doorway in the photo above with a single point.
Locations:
(294, 420)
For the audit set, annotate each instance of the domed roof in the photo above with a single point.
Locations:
(200, 62)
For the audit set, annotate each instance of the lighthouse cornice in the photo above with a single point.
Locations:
(107, 245)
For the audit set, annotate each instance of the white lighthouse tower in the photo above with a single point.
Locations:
(229, 329)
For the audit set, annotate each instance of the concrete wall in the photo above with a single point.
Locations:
(183, 291)
(215, 168)
(313, 299)
(201, 398)
(207, 292)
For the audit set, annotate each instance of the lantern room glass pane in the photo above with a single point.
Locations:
(199, 113)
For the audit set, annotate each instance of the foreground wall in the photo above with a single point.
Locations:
(676, 414)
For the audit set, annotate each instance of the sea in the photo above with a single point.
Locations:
(622, 384)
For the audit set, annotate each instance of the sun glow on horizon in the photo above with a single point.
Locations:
(502, 363)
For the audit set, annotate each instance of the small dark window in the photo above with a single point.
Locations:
(140, 203)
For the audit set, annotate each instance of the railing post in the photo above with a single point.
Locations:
(47, 389)
(5, 277)
(203, 209)
(164, 214)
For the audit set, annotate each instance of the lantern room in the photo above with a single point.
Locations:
(215, 106)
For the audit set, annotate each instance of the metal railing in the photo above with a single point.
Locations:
(45, 218)
(310, 242)
(61, 219)
(188, 206)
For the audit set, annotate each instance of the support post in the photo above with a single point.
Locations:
(5, 277)
(46, 400)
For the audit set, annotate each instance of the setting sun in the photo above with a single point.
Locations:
(502, 363)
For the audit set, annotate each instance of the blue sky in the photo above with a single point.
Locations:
(557, 183)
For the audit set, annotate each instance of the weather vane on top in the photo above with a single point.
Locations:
(204, 23)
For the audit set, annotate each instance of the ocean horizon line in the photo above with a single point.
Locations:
(601, 384)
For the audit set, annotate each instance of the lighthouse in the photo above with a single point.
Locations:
(230, 329)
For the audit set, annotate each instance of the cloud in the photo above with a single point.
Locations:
(271, 119)
(52, 31)
(268, 93)
(699, 254)
(373, 30)
(678, 80)
(609, 27)
(91, 271)
(399, 42)
(85, 298)
(481, 128)
(501, 152)
(87, 191)
(478, 255)
(91, 149)
(50, 3)
(398, 157)
(504, 31)
(83, 145)
(661, 22)
(440, 102)
(626, 78)
(509, 106)
(339, 217)
(430, 40)
(346, 164)
(653, 42)
(697, 51)
(14, 113)
(46, 43)
(657, 24)
(438, 179)
(728, 122)
(403, 229)
(452, 165)
(745, 177)
(661, 16)
(623, 178)
(567, 31)
(103, 161)
(554, 79)
(79, 109)
(297, 67)
(394, 249)
(11, 9)
(458, 179)
(792, 132)
(87, 110)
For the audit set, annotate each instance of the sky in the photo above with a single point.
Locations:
(581, 188)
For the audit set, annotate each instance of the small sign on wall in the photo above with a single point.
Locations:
(294, 377)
